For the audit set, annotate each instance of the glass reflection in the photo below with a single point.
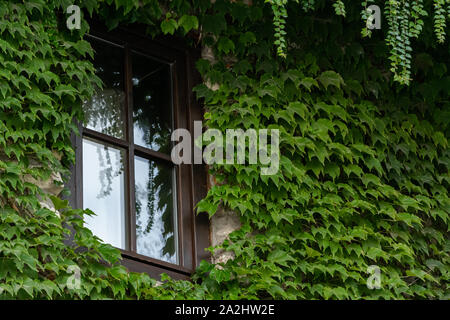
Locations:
(155, 215)
(103, 192)
(104, 112)
(152, 103)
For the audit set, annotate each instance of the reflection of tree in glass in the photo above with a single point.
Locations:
(163, 179)
(158, 198)
(107, 173)
(103, 112)
(152, 125)
(152, 116)
(150, 193)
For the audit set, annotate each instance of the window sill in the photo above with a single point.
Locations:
(154, 268)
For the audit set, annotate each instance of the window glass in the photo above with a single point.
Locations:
(152, 103)
(103, 191)
(104, 112)
(155, 214)
(108, 163)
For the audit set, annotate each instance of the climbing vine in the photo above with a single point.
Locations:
(364, 170)
(405, 22)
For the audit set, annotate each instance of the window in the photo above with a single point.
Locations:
(144, 204)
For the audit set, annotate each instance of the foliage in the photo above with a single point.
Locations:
(43, 80)
(364, 171)
(363, 178)
(405, 22)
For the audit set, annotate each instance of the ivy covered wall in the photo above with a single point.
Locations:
(364, 169)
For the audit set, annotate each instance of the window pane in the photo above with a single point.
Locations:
(156, 234)
(152, 103)
(103, 191)
(105, 110)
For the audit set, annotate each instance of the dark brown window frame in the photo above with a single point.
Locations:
(191, 186)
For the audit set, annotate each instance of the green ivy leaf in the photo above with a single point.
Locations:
(188, 23)
(332, 78)
(169, 26)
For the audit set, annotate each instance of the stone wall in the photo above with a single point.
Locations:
(223, 222)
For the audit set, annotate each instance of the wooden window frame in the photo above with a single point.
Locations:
(191, 180)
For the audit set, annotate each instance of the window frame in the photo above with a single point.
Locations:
(191, 180)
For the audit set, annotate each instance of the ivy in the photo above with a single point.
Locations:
(43, 81)
(279, 22)
(364, 169)
(405, 22)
